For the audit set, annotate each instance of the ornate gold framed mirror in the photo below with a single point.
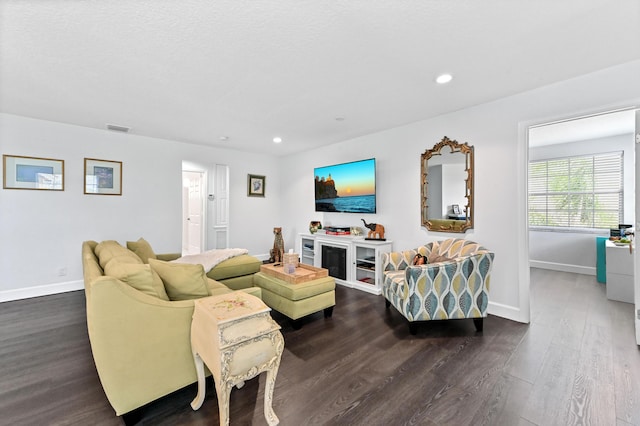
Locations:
(447, 187)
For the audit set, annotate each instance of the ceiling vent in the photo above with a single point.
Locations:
(117, 128)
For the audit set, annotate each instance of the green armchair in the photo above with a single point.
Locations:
(452, 284)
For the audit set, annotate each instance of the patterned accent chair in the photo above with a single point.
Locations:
(452, 284)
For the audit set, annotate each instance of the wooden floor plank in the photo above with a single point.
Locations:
(551, 394)
(593, 387)
(626, 362)
(526, 362)
(506, 403)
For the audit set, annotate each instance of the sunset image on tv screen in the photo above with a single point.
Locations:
(347, 187)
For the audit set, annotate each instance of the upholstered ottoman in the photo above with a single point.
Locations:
(237, 272)
(297, 300)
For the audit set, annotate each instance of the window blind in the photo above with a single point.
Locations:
(584, 191)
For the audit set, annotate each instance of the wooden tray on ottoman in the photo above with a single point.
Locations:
(302, 274)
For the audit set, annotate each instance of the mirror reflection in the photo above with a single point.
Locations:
(447, 187)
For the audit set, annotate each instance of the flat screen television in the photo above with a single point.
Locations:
(347, 187)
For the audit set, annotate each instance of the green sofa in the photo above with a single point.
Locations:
(141, 340)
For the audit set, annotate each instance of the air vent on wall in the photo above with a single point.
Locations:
(117, 128)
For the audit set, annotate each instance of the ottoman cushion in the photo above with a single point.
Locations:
(235, 267)
(294, 291)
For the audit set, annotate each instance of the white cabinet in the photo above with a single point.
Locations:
(353, 261)
(619, 273)
(307, 250)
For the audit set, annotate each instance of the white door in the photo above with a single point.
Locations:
(192, 212)
(221, 207)
(637, 236)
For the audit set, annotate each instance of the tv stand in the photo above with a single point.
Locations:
(352, 261)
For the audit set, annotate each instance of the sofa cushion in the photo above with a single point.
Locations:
(109, 249)
(235, 267)
(140, 277)
(123, 258)
(215, 287)
(142, 248)
(182, 281)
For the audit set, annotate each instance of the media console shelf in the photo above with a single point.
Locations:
(353, 261)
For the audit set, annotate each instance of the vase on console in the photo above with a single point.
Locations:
(314, 225)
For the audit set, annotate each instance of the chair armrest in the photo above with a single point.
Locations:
(397, 260)
(168, 256)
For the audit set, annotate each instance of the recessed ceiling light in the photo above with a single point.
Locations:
(277, 139)
(444, 78)
(224, 138)
(339, 118)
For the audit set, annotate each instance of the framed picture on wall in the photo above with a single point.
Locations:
(255, 186)
(32, 173)
(102, 177)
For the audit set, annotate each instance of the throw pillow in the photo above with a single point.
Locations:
(138, 276)
(142, 248)
(110, 249)
(182, 281)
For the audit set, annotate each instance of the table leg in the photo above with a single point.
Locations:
(199, 399)
(223, 390)
(269, 414)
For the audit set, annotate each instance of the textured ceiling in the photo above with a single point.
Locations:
(197, 70)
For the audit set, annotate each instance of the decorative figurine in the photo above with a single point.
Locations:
(376, 231)
(277, 251)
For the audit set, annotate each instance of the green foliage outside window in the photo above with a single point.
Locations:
(577, 192)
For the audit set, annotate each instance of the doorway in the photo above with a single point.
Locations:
(193, 212)
(581, 182)
(205, 207)
(574, 250)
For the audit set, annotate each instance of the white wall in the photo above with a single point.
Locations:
(454, 188)
(435, 206)
(498, 132)
(574, 251)
(42, 231)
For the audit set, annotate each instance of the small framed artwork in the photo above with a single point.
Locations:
(255, 186)
(32, 173)
(455, 208)
(102, 177)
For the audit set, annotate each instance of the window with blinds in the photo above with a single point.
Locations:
(577, 192)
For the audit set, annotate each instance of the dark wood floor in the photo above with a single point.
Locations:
(576, 363)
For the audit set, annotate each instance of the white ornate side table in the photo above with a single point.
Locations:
(236, 337)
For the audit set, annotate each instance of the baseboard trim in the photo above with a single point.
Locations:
(40, 290)
(506, 311)
(497, 309)
(262, 257)
(563, 267)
